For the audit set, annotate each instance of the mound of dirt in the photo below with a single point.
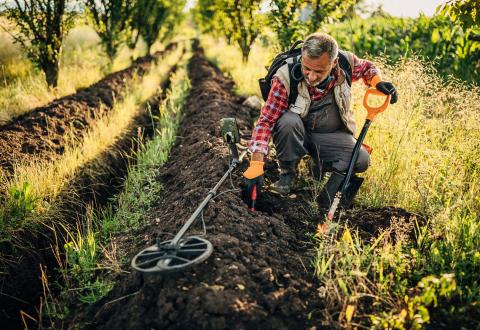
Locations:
(43, 132)
(92, 186)
(259, 275)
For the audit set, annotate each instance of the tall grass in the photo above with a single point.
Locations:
(426, 159)
(46, 180)
(141, 187)
(229, 59)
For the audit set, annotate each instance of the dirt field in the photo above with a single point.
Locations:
(20, 282)
(45, 131)
(260, 273)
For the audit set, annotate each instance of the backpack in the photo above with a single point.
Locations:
(291, 57)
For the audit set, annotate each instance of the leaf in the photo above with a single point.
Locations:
(347, 237)
(349, 313)
(342, 286)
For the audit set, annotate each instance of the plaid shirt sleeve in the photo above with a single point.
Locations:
(275, 106)
(363, 69)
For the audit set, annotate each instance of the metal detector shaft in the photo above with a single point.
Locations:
(210, 195)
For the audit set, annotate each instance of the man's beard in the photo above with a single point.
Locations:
(321, 84)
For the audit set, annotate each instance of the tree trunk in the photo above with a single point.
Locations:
(149, 47)
(51, 74)
(110, 50)
(245, 52)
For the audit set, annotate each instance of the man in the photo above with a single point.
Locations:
(320, 121)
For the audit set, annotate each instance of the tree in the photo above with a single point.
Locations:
(240, 21)
(110, 19)
(463, 12)
(466, 13)
(204, 15)
(42, 25)
(155, 19)
(324, 10)
(292, 19)
(285, 18)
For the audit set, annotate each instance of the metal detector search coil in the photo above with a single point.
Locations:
(167, 257)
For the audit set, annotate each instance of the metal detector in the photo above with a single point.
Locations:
(182, 252)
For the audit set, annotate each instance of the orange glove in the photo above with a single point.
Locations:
(254, 170)
(375, 80)
(253, 183)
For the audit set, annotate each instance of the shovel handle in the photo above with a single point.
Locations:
(372, 112)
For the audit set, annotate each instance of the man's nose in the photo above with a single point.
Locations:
(312, 76)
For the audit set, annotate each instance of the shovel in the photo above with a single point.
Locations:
(371, 113)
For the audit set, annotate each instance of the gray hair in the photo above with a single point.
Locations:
(317, 44)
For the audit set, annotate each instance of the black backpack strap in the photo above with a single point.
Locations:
(295, 74)
(345, 66)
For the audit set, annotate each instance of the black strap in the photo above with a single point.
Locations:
(345, 66)
(295, 74)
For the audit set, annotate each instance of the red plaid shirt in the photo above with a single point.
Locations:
(277, 102)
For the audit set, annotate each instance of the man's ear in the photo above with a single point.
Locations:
(335, 62)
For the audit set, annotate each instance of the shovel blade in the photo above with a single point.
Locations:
(335, 183)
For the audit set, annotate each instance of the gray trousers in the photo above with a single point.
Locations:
(292, 141)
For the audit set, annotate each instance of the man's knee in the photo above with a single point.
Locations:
(363, 161)
(289, 121)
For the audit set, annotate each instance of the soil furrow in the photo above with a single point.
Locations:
(93, 186)
(258, 275)
(44, 132)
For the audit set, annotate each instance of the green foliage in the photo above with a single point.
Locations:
(239, 21)
(464, 12)
(42, 25)
(438, 39)
(384, 269)
(415, 314)
(284, 18)
(156, 19)
(324, 10)
(19, 203)
(293, 19)
(81, 253)
(110, 19)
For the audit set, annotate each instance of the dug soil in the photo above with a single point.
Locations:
(92, 187)
(259, 274)
(44, 132)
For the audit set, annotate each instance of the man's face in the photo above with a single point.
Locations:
(316, 69)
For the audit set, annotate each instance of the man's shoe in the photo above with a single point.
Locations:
(334, 184)
(284, 185)
(316, 169)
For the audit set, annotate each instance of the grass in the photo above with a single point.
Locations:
(141, 187)
(425, 160)
(46, 180)
(229, 60)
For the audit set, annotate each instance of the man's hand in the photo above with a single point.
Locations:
(254, 171)
(387, 88)
(253, 182)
